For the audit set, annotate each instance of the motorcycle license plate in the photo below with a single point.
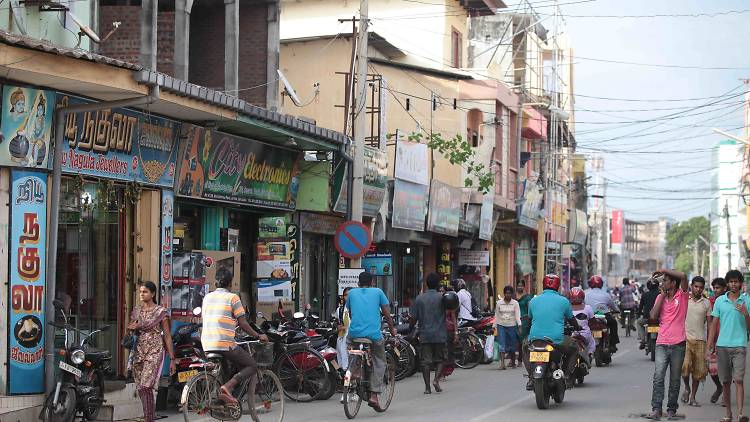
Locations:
(538, 356)
(653, 329)
(70, 368)
(184, 376)
(597, 334)
(335, 364)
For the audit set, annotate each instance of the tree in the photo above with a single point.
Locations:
(681, 238)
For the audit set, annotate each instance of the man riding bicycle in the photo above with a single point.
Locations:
(627, 301)
(222, 312)
(365, 306)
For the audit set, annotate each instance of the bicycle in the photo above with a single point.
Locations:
(357, 379)
(264, 396)
(468, 351)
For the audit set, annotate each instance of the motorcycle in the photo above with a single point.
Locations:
(80, 386)
(186, 343)
(548, 377)
(600, 332)
(652, 331)
(583, 360)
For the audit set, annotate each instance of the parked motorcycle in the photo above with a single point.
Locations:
(652, 331)
(600, 332)
(186, 343)
(80, 385)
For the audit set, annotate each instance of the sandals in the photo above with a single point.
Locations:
(744, 419)
(715, 396)
(685, 397)
(694, 403)
(227, 397)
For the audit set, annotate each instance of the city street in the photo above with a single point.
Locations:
(618, 392)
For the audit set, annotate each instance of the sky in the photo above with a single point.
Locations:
(688, 103)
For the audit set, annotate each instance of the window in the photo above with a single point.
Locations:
(456, 47)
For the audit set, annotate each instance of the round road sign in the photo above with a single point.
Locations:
(352, 239)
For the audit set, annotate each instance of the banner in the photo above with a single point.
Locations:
(529, 208)
(411, 162)
(617, 225)
(215, 165)
(120, 144)
(378, 264)
(409, 205)
(27, 274)
(167, 233)
(374, 186)
(473, 258)
(486, 226)
(445, 209)
(26, 127)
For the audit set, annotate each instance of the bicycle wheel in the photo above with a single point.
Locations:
(197, 395)
(265, 402)
(405, 359)
(351, 399)
(467, 353)
(303, 374)
(389, 384)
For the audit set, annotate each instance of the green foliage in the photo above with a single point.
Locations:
(681, 238)
(458, 152)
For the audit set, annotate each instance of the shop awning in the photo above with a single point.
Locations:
(534, 124)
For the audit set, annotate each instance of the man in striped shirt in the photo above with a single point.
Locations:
(222, 313)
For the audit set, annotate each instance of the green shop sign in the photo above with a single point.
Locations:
(222, 167)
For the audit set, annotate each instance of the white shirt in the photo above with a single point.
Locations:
(464, 305)
(507, 314)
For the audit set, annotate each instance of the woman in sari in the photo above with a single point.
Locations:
(150, 323)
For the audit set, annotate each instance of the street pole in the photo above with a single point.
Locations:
(360, 120)
(729, 235)
(695, 257)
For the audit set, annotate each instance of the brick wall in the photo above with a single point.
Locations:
(125, 44)
(253, 52)
(207, 46)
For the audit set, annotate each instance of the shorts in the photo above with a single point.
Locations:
(695, 360)
(432, 353)
(731, 363)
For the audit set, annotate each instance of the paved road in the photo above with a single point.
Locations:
(618, 392)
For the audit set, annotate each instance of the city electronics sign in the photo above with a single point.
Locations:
(120, 144)
(28, 245)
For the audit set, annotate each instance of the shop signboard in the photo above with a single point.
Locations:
(119, 144)
(374, 186)
(378, 263)
(222, 167)
(26, 127)
(28, 246)
(523, 257)
(445, 209)
(617, 224)
(411, 162)
(409, 205)
(578, 227)
(486, 226)
(349, 277)
(293, 237)
(319, 223)
(167, 232)
(314, 186)
(473, 258)
(272, 227)
(528, 210)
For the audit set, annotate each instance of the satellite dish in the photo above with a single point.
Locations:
(85, 30)
(288, 89)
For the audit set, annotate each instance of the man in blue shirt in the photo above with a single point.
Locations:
(365, 306)
(731, 312)
(601, 302)
(548, 313)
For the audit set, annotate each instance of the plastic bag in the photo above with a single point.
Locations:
(489, 345)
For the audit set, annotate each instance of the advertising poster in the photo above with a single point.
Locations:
(272, 227)
(222, 167)
(167, 231)
(188, 283)
(445, 209)
(28, 246)
(529, 209)
(26, 127)
(412, 162)
(375, 183)
(409, 205)
(617, 224)
(349, 277)
(378, 263)
(120, 144)
(486, 228)
(271, 291)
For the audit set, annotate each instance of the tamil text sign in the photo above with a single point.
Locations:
(411, 162)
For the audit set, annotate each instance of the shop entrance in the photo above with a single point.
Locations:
(320, 261)
(91, 258)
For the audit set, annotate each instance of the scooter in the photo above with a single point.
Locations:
(600, 332)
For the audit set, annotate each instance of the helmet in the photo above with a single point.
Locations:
(577, 296)
(450, 300)
(551, 281)
(596, 282)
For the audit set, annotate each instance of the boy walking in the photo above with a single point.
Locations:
(429, 312)
(699, 311)
(731, 312)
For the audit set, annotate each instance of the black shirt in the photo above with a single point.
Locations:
(429, 313)
(647, 302)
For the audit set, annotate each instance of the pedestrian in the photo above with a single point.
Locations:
(731, 312)
(698, 314)
(149, 321)
(523, 303)
(451, 323)
(429, 313)
(719, 287)
(671, 310)
(465, 308)
(508, 324)
(342, 316)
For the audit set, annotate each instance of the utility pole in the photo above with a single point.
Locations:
(695, 257)
(360, 119)
(729, 234)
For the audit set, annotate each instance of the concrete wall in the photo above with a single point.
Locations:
(50, 26)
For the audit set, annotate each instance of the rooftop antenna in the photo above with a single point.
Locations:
(291, 93)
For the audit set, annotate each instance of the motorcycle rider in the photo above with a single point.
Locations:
(548, 313)
(577, 296)
(601, 302)
(365, 306)
(644, 309)
(222, 312)
(627, 301)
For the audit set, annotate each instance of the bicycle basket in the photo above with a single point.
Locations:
(263, 354)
